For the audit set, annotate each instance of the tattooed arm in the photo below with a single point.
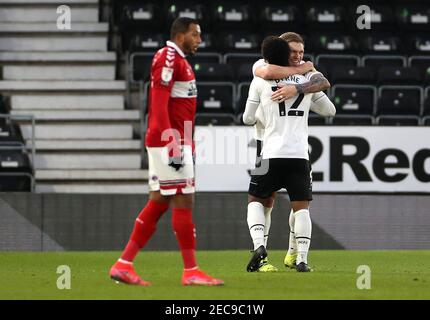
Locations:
(317, 83)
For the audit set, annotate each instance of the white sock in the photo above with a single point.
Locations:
(303, 231)
(268, 220)
(256, 223)
(292, 245)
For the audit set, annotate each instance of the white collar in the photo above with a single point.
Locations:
(174, 45)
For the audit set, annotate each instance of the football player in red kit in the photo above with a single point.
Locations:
(169, 142)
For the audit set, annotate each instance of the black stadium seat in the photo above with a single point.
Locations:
(142, 14)
(204, 57)
(380, 43)
(399, 76)
(352, 120)
(215, 97)
(15, 171)
(329, 61)
(208, 43)
(354, 99)
(350, 75)
(140, 66)
(245, 73)
(236, 60)
(421, 63)
(376, 61)
(147, 41)
(230, 15)
(397, 120)
(413, 17)
(279, 15)
(399, 100)
(242, 96)
(332, 42)
(212, 72)
(325, 16)
(191, 9)
(238, 42)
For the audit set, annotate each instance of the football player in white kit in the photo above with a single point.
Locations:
(285, 144)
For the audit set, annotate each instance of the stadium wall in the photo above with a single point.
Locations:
(57, 222)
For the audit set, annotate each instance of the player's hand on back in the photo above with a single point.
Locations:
(284, 93)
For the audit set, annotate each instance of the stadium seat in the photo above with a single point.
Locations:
(331, 42)
(245, 73)
(350, 75)
(413, 17)
(146, 41)
(330, 61)
(279, 16)
(138, 15)
(399, 76)
(242, 96)
(426, 105)
(212, 72)
(238, 42)
(399, 100)
(376, 61)
(382, 17)
(354, 99)
(10, 133)
(208, 43)
(426, 121)
(419, 44)
(205, 57)
(352, 120)
(15, 171)
(397, 121)
(230, 15)
(379, 43)
(421, 63)
(190, 9)
(140, 66)
(325, 16)
(215, 97)
(236, 60)
(316, 120)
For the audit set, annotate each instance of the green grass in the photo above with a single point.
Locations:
(395, 275)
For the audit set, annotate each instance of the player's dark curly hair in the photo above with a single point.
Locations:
(181, 25)
(275, 50)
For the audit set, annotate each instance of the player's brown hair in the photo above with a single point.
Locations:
(292, 37)
(181, 25)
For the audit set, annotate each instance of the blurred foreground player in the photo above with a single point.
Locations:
(169, 142)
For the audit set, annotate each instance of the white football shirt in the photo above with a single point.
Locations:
(285, 124)
(259, 127)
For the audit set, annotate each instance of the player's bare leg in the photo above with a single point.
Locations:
(144, 227)
(302, 231)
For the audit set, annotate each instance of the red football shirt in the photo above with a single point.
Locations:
(172, 97)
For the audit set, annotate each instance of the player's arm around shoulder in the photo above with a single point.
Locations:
(272, 71)
(252, 102)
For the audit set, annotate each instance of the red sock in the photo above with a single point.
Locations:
(183, 226)
(144, 227)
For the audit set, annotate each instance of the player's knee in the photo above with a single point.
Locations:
(299, 205)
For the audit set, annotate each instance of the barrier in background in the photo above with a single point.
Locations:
(344, 159)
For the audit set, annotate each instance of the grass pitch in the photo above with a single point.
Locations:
(394, 275)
